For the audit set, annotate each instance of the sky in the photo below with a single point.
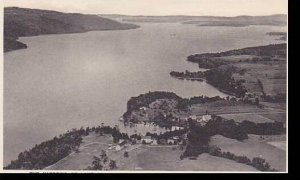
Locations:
(159, 7)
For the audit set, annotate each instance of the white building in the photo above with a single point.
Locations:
(147, 139)
(171, 141)
(193, 117)
(204, 119)
(174, 128)
(143, 108)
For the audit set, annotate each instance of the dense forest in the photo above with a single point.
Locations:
(144, 100)
(220, 78)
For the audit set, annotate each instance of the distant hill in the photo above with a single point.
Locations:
(20, 22)
(276, 19)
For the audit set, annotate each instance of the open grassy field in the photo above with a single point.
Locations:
(253, 117)
(223, 107)
(91, 146)
(166, 158)
(144, 158)
(252, 147)
(279, 117)
(271, 74)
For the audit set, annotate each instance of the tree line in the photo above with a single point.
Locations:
(51, 151)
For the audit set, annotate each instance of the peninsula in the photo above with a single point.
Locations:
(22, 22)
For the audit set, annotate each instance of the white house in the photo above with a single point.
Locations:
(143, 108)
(193, 117)
(174, 128)
(204, 119)
(121, 144)
(118, 147)
(147, 139)
(154, 142)
(170, 141)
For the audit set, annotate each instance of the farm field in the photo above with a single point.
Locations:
(256, 118)
(157, 158)
(221, 108)
(271, 74)
(251, 148)
(144, 158)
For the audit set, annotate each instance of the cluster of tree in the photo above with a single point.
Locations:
(102, 163)
(256, 162)
(48, 152)
(168, 134)
(165, 121)
(187, 74)
(144, 100)
(240, 131)
(269, 128)
(226, 128)
(278, 98)
(222, 79)
(207, 62)
(116, 134)
(199, 136)
(187, 102)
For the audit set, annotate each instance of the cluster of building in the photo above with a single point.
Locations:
(202, 120)
(176, 140)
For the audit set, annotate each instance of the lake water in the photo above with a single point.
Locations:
(72, 80)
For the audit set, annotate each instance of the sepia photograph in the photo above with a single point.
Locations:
(144, 86)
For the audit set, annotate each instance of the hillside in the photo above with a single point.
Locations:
(19, 22)
(238, 21)
(254, 71)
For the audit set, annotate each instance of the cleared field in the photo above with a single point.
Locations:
(144, 157)
(271, 74)
(256, 118)
(279, 117)
(278, 141)
(91, 146)
(221, 108)
(252, 148)
(269, 105)
(279, 144)
(167, 159)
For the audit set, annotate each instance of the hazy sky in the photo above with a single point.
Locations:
(159, 7)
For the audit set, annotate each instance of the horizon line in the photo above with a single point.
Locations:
(114, 14)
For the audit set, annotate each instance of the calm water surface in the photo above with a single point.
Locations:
(72, 80)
